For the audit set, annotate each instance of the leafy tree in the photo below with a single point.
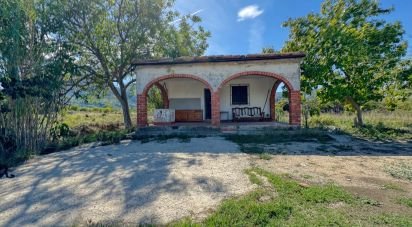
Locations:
(111, 35)
(351, 51)
(34, 67)
(269, 50)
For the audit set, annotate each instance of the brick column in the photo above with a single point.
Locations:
(215, 109)
(272, 101)
(141, 110)
(294, 108)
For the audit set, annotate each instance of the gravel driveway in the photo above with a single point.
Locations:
(132, 182)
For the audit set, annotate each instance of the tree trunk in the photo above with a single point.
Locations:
(122, 97)
(358, 120)
(126, 115)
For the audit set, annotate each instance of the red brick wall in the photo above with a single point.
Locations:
(215, 109)
(294, 108)
(141, 110)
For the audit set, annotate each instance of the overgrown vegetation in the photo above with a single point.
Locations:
(378, 125)
(402, 170)
(288, 203)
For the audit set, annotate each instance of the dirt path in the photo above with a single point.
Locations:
(150, 183)
(158, 182)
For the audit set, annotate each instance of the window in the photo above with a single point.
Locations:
(240, 94)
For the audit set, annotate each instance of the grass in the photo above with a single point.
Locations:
(400, 170)
(378, 125)
(392, 186)
(405, 201)
(254, 144)
(288, 203)
(95, 119)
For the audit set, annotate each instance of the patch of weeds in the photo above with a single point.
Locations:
(295, 205)
(405, 201)
(306, 176)
(253, 177)
(400, 170)
(369, 202)
(265, 156)
(326, 194)
(392, 186)
(392, 220)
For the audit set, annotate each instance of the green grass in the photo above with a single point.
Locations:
(392, 186)
(405, 201)
(400, 170)
(95, 119)
(290, 204)
(395, 125)
(265, 156)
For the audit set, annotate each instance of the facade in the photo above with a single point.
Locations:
(215, 88)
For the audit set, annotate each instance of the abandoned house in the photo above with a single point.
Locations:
(217, 89)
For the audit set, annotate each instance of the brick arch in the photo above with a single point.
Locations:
(172, 76)
(294, 95)
(257, 73)
(142, 98)
(163, 93)
(273, 99)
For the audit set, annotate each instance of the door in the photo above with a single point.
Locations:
(208, 104)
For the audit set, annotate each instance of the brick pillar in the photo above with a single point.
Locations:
(215, 109)
(141, 110)
(272, 101)
(294, 108)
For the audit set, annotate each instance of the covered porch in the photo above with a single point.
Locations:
(221, 91)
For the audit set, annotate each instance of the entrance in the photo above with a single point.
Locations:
(208, 104)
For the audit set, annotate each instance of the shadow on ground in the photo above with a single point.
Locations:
(139, 183)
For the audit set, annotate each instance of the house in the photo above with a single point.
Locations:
(215, 89)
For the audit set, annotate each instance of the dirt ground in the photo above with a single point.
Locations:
(158, 182)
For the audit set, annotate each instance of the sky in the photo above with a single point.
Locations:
(246, 26)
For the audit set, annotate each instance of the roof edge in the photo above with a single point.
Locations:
(220, 58)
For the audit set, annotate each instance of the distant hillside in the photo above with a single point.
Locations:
(109, 100)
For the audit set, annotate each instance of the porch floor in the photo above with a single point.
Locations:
(206, 128)
(227, 123)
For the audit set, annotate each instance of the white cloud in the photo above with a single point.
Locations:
(249, 12)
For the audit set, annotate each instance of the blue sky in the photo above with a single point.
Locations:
(259, 24)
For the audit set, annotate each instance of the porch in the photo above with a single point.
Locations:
(207, 129)
(221, 91)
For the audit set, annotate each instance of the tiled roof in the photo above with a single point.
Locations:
(220, 58)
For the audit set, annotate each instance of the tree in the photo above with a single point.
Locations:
(350, 51)
(34, 67)
(111, 35)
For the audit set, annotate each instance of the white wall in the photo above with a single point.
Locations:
(186, 88)
(258, 91)
(215, 73)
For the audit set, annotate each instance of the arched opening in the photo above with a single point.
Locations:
(184, 98)
(251, 96)
(280, 102)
